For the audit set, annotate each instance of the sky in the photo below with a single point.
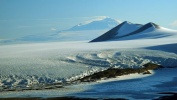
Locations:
(25, 17)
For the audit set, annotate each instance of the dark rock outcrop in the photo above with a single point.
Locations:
(114, 72)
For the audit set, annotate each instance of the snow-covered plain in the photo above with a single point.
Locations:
(23, 65)
(27, 64)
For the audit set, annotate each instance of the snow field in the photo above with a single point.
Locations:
(33, 63)
(134, 87)
(49, 63)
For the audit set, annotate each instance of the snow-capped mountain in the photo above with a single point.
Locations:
(129, 31)
(32, 65)
(127, 25)
(106, 23)
(80, 32)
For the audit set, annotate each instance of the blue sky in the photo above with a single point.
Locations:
(24, 17)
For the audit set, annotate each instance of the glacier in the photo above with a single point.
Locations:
(28, 64)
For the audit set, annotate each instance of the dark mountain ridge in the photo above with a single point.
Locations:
(112, 34)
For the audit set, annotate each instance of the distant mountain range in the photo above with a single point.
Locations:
(129, 31)
(107, 29)
(106, 23)
(80, 32)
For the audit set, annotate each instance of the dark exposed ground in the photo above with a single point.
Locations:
(113, 72)
(109, 73)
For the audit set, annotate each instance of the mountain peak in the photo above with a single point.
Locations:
(153, 25)
(120, 30)
(106, 23)
(108, 19)
(127, 22)
(128, 29)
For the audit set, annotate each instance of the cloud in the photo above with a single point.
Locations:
(93, 18)
(174, 24)
(100, 17)
(53, 29)
(96, 18)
